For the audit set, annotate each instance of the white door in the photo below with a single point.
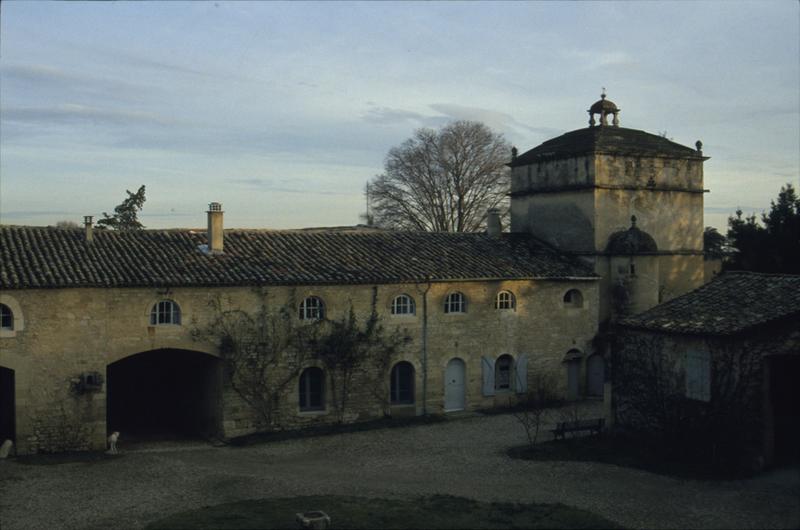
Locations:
(595, 375)
(454, 386)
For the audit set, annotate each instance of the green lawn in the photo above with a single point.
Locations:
(439, 511)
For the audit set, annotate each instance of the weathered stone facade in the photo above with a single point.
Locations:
(74, 331)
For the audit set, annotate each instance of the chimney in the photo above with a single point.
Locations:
(493, 226)
(215, 237)
(87, 227)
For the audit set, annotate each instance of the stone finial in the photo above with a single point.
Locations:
(699, 145)
(513, 153)
(633, 221)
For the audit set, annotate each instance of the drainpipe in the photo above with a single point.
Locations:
(425, 343)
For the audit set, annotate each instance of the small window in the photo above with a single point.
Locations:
(455, 303)
(505, 300)
(165, 312)
(502, 372)
(573, 298)
(403, 305)
(6, 318)
(312, 308)
(312, 389)
(402, 384)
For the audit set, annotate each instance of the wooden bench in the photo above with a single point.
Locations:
(592, 426)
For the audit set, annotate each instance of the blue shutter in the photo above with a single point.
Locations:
(698, 376)
(487, 366)
(521, 374)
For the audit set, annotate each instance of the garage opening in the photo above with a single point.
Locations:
(785, 399)
(165, 394)
(7, 406)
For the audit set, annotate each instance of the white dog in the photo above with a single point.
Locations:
(112, 442)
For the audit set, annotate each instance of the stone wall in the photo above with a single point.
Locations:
(69, 332)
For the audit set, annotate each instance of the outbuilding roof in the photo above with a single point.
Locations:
(606, 140)
(733, 302)
(47, 257)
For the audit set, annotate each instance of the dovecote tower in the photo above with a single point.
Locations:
(579, 192)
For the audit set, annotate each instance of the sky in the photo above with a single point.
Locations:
(283, 111)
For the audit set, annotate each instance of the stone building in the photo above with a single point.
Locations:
(98, 327)
(585, 191)
(728, 357)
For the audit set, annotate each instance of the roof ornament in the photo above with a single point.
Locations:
(633, 221)
(604, 107)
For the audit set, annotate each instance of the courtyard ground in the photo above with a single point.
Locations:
(465, 457)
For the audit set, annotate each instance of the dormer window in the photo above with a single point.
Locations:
(505, 300)
(312, 308)
(403, 305)
(573, 298)
(165, 312)
(455, 303)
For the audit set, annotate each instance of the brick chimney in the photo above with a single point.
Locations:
(87, 228)
(493, 226)
(215, 236)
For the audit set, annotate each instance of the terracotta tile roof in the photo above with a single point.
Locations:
(46, 257)
(607, 140)
(731, 303)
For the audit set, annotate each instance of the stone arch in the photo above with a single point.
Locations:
(165, 392)
(16, 310)
(16, 371)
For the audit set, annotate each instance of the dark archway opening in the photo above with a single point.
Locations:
(165, 394)
(7, 406)
(785, 398)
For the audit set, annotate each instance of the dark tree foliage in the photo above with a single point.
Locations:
(442, 181)
(125, 214)
(773, 247)
(714, 244)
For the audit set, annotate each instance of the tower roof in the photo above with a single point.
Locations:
(606, 140)
(631, 241)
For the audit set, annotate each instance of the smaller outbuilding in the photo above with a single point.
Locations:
(716, 370)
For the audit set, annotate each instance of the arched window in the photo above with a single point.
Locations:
(312, 389)
(505, 300)
(165, 312)
(6, 318)
(402, 384)
(403, 305)
(455, 303)
(502, 372)
(312, 308)
(573, 298)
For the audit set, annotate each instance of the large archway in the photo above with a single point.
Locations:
(165, 393)
(7, 405)
(784, 398)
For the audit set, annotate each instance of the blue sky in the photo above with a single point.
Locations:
(282, 111)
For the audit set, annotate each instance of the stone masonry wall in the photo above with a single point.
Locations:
(73, 331)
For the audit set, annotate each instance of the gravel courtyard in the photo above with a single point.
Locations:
(463, 457)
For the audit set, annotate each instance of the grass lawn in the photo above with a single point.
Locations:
(627, 452)
(439, 511)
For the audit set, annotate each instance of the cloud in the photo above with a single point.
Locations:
(492, 118)
(42, 78)
(70, 113)
(390, 116)
(265, 184)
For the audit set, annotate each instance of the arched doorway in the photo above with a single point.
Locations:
(454, 387)
(164, 394)
(7, 406)
(573, 363)
(595, 375)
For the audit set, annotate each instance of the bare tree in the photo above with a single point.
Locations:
(344, 347)
(534, 407)
(263, 352)
(443, 181)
